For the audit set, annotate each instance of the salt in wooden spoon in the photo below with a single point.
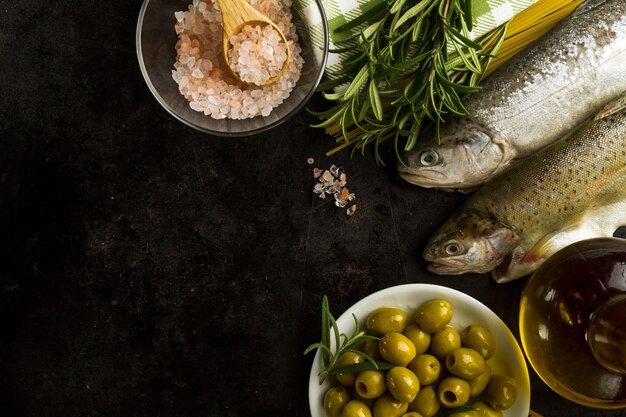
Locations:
(235, 15)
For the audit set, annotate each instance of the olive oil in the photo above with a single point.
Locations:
(573, 322)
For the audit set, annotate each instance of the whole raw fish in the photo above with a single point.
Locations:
(574, 189)
(554, 85)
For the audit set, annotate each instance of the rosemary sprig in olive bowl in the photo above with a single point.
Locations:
(508, 359)
(414, 64)
(334, 344)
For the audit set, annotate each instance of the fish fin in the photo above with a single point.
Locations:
(501, 238)
(520, 263)
(512, 267)
(615, 105)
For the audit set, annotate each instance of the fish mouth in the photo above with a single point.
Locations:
(443, 268)
(455, 266)
(434, 179)
(427, 178)
(446, 267)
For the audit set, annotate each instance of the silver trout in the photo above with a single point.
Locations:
(573, 190)
(543, 93)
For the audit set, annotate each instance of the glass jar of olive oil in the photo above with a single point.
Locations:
(573, 322)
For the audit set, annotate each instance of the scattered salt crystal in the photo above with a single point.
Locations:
(329, 184)
(340, 203)
(318, 188)
(327, 176)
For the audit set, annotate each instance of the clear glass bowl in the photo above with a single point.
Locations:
(156, 40)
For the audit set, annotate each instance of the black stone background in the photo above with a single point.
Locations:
(147, 269)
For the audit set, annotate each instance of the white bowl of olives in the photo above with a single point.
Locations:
(417, 350)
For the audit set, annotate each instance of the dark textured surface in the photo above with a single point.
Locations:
(147, 269)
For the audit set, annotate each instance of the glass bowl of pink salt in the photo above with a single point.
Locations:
(180, 52)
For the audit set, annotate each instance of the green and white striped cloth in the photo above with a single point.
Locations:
(489, 15)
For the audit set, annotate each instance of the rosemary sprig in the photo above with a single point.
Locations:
(342, 344)
(415, 63)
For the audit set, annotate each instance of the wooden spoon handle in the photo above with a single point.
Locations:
(236, 13)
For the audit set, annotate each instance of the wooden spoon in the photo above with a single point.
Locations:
(235, 15)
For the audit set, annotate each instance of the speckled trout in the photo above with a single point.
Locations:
(573, 190)
(543, 93)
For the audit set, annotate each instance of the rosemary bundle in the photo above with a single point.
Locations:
(414, 63)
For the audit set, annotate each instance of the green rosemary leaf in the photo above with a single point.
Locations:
(325, 332)
(412, 139)
(330, 84)
(411, 12)
(333, 96)
(468, 63)
(364, 109)
(463, 39)
(371, 30)
(396, 6)
(334, 328)
(467, 14)
(329, 122)
(357, 83)
(449, 411)
(360, 367)
(374, 97)
(379, 160)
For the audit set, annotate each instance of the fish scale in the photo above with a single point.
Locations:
(541, 94)
(570, 191)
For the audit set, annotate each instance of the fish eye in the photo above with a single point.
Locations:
(429, 158)
(453, 248)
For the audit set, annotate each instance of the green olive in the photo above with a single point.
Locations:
(356, 408)
(434, 315)
(444, 342)
(412, 414)
(389, 406)
(334, 401)
(370, 384)
(396, 348)
(386, 319)
(355, 396)
(453, 391)
(419, 337)
(348, 358)
(402, 384)
(485, 410)
(478, 384)
(371, 348)
(480, 339)
(426, 367)
(465, 363)
(426, 402)
(501, 392)
(469, 413)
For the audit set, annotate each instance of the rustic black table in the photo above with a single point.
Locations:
(147, 269)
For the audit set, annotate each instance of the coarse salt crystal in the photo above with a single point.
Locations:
(327, 176)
